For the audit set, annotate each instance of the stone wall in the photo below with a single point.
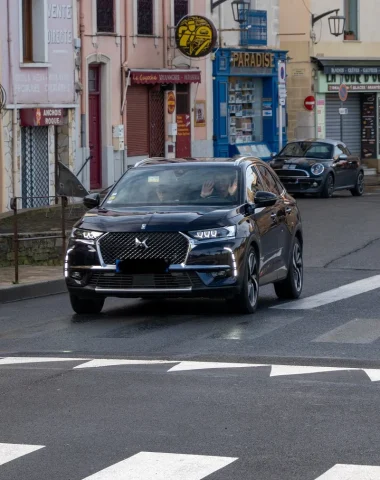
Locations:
(44, 251)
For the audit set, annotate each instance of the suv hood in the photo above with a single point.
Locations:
(156, 219)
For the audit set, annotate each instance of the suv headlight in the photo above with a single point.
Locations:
(317, 169)
(213, 234)
(89, 236)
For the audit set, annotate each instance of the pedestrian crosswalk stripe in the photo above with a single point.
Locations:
(331, 296)
(163, 466)
(183, 366)
(351, 472)
(11, 451)
(97, 363)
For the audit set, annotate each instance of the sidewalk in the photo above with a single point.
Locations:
(34, 281)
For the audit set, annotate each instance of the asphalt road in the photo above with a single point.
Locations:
(290, 393)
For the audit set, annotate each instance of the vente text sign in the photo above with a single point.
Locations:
(252, 59)
(41, 117)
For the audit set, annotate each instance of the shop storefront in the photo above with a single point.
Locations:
(358, 123)
(246, 107)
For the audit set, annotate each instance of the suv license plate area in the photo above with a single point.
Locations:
(133, 267)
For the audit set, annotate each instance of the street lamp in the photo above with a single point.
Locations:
(239, 9)
(336, 22)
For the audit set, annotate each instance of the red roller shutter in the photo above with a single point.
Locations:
(137, 120)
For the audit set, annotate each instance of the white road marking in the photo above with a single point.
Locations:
(335, 295)
(113, 362)
(163, 466)
(185, 366)
(351, 472)
(23, 360)
(373, 374)
(283, 370)
(359, 331)
(11, 451)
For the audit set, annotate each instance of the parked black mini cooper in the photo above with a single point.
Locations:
(320, 167)
(187, 228)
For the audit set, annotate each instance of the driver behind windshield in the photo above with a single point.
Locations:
(223, 186)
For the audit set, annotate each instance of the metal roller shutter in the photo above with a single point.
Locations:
(138, 120)
(351, 122)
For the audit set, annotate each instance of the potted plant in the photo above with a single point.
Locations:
(349, 35)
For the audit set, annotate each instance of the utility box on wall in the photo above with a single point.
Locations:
(118, 137)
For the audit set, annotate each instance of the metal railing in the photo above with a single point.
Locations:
(16, 237)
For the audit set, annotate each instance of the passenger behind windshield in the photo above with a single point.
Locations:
(176, 185)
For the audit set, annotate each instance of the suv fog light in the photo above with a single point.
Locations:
(315, 184)
(76, 275)
(222, 273)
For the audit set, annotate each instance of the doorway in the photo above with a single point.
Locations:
(183, 145)
(94, 126)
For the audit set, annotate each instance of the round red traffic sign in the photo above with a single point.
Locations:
(309, 103)
(343, 92)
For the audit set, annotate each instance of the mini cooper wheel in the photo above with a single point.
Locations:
(359, 186)
(246, 301)
(83, 306)
(328, 187)
(291, 287)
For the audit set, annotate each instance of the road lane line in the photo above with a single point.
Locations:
(335, 295)
(360, 331)
(186, 366)
(284, 370)
(163, 466)
(97, 363)
(25, 360)
(351, 472)
(11, 451)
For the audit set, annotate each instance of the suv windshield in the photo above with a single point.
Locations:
(176, 185)
(322, 151)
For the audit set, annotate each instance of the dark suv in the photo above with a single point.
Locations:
(187, 228)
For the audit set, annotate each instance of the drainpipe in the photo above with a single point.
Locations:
(82, 79)
(165, 33)
(14, 100)
(125, 67)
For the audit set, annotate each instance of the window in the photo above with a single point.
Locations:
(269, 180)
(34, 31)
(351, 13)
(257, 33)
(183, 99)
(105, 16)
(253, 184)
(145, 17)
(181, 8)
(319, 150)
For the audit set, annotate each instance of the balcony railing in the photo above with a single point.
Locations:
(256, 26)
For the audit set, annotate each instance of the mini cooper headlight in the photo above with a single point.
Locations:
(317, 169)
(88, 235)
(215, 233)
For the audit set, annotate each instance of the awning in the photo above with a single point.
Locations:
(165, 76)
(349, 65)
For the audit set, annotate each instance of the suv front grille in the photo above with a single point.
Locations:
(169, 246)
(156, 281)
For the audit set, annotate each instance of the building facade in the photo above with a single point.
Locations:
(321, 62)
(38, 119)
(248, 71)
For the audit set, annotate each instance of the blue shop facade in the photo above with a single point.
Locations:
(246, 105)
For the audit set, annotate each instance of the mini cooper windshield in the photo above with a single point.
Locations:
(176, 185)
(318, 150)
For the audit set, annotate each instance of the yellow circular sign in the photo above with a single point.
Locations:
(195, 36)
(171, 102)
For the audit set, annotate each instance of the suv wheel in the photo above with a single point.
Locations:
(246, 301)
(84, 306)
(358, 190)
(291, 287)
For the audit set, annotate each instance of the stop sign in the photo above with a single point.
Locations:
(309, 103)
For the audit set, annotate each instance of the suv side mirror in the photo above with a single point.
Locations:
(92, 200)
(265, 199)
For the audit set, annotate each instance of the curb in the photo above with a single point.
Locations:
(16, 293)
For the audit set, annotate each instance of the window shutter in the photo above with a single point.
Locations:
(138, 120)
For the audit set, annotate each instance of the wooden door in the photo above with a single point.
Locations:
(94, 127)
(157, 123)
(183, 145)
